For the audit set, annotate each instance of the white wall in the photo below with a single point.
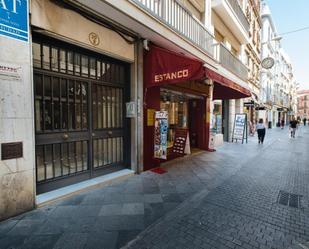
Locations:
(17, 181)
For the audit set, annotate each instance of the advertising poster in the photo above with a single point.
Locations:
(218, 123)
(160, 134)
(240, 127)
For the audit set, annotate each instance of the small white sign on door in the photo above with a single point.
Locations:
(130, 109)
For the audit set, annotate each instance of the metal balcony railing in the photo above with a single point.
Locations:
(239, 13)
(179, 19)
(231, 62)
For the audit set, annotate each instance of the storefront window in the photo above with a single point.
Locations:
(217, 117)
(177, 107)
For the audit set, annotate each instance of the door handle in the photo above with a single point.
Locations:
(65, 136)
(110, 133)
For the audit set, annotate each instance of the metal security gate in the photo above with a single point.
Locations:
(80, 127)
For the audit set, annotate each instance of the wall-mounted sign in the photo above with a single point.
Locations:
(150, 117)
(160, 134)
(10, 71)
(130, 109)
(11, 150)
(268, 63)
(240, 128)
(249, 104)
(94, 39)
(14, 20)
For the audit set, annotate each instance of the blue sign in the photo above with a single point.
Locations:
(14, 19)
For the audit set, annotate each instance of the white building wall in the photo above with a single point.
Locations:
(17, 189)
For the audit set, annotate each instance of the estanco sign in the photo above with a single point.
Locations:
(171, 76)
(14, 21)
(162, 66)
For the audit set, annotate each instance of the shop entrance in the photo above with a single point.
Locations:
(185, 111)
(80, 127)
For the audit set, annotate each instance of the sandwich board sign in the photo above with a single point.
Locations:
(14, 19)
(240, 128)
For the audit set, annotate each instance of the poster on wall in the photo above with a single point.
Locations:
(218, 123)
(240, 128)
(160, 134)
(181, 142)
(14, 19)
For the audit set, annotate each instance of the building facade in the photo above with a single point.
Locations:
(236, 27)
(303, 104)
(79, 93)
(278, 86)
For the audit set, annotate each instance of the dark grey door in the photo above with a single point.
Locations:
(79, 114)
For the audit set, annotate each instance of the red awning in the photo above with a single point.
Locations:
(162, 66)
(225, 88)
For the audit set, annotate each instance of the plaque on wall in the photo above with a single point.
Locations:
(11, 150)
(150, 117)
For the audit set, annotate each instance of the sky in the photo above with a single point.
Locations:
(289, 15)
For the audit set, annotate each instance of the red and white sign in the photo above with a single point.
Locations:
(164, 67)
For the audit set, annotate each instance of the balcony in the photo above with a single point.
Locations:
(179, 19)
(234, 18)
(231, 62)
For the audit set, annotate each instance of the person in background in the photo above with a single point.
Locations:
(282, 123)
(305, 121)
(293, 126)
(261, 130)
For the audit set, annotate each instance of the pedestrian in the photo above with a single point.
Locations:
(305, 121)
(282, 123)
(261, 130)
(293, 126)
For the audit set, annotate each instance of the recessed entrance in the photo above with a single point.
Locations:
(184, 112)
(81, 131)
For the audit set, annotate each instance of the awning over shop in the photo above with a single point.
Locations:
(162, 67)
(225, 88)
(166, 67)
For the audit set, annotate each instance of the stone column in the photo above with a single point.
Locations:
(232, 111)
(137, 98)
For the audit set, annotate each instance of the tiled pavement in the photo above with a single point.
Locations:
(225, 199)
(242, 212)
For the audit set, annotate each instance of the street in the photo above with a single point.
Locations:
(225, 199)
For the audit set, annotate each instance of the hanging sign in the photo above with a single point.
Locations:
(14, 21)
(180, 141)
(240, 127)
(160, 134)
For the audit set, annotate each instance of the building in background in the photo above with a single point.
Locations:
(236, 29)
(278, 86)
(253, 58)
(303, 104)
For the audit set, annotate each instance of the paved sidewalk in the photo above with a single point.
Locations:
(243, 211)
(112, 216)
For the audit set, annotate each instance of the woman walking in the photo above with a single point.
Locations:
(261, 130)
